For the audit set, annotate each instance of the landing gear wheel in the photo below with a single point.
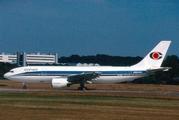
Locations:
(85, 88)
(82, 88)
(79, 88)
(24, 86)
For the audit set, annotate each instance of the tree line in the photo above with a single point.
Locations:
(170, 77)
(101, 59)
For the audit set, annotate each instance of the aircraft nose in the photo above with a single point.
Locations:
(6, 75)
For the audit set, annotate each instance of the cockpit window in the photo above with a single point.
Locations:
(11, 71)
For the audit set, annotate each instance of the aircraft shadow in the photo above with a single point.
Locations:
(2, 85)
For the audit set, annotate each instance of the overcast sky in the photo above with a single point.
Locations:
(88, 27)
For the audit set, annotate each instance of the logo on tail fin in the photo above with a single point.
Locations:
(156, 55)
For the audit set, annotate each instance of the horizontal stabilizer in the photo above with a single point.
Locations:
(159, 69)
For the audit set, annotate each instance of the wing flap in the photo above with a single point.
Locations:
(84, 77)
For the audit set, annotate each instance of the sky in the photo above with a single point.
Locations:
(88, 27)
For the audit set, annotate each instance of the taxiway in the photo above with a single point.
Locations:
(73, 90)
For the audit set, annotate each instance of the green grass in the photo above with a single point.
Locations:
(59, 105)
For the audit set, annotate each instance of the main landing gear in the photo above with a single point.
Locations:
(82, 87)
(24, 86)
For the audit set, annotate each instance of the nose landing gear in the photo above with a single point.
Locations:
(24, 86)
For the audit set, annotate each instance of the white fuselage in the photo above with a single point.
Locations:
(45, 74)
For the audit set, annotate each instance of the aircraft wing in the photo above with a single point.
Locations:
(159, 69)
(83, 78)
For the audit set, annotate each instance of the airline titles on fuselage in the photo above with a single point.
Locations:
(30, 69)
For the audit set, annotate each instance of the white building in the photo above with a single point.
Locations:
(31, 58)
(41, 58)
(8, 58)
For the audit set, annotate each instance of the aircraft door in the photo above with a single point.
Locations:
(43, 72)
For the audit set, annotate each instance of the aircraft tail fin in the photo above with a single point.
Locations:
(154, 58)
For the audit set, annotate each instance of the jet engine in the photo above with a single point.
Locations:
(59, 82)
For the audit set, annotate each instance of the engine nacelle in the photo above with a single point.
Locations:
(59, 82)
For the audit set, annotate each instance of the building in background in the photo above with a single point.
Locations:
(23, 59)
(8, 58)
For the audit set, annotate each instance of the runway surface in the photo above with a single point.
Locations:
(73, 90)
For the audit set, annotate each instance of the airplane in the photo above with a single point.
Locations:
(61, 76)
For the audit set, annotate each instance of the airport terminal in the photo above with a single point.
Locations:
(23, 58)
